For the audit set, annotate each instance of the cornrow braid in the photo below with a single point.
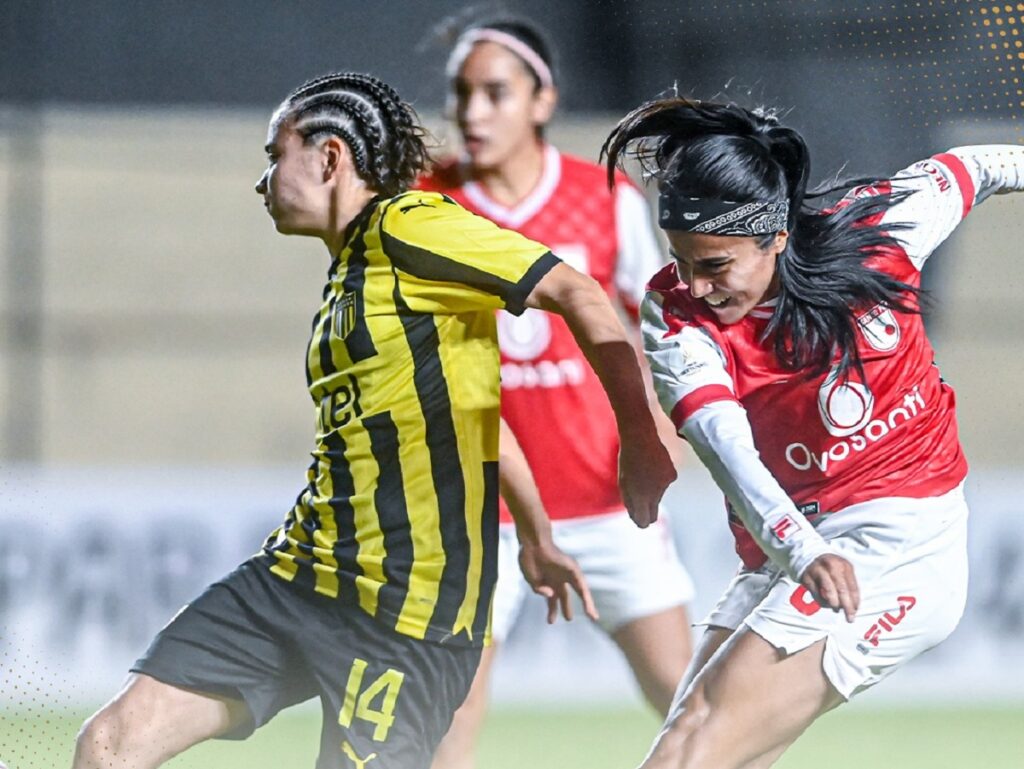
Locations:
(347, 115)
(381, 131)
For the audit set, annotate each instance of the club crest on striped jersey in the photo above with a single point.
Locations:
(345, 314)
(880, 329)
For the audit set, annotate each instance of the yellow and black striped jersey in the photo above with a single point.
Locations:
(400, 512)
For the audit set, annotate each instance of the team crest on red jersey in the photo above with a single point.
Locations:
(880, 329)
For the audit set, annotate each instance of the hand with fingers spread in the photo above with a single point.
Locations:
(551, 573)
(831, 580)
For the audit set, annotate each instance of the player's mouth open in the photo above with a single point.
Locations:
(719, 301)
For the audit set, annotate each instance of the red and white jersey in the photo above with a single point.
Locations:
(832, 443)
(551, 398)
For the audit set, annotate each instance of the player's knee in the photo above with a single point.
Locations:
(102, 736)
(676, 740)
(688, 720)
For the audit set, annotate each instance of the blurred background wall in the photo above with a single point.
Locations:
(154, 423)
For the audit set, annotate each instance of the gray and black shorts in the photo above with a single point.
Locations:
(255, 637)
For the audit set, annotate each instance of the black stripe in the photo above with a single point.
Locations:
(357, 222)
(327, 366)
(392, 512)
(446, 468)
(489, 537)
(346, 548)
(312, 340)
(430, 266)
(515, 302)
(303, 571)
(358, 342)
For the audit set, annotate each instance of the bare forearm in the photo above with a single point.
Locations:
(645, 469)
(607, 347)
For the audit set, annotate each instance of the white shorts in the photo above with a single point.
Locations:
(910, 560)
(632, 572)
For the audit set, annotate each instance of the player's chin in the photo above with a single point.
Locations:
(733, 313)
(285, 227)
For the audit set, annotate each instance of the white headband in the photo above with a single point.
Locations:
(483, 34)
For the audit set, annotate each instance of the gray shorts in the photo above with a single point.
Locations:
(255, 637)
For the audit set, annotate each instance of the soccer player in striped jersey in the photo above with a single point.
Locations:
(374, 594)
(502, 95)
(787, 345)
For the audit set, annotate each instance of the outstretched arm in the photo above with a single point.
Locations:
(549, 571)
(720, 435)
(645, 468)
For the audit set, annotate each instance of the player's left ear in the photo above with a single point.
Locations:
(334, 154)
(544, 102)
(779, 244)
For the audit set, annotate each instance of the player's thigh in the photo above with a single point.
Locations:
(632, 572)
(387, 698)
(234, 643)
(150, 720)
(717, 722)
(709, 642)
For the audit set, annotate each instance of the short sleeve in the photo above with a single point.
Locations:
(450, 259)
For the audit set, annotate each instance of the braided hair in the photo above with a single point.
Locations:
(382, 132)
(727, 152)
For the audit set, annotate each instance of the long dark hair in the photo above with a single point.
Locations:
(727, 152)
(382, 132)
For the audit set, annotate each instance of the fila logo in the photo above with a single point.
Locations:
(783, 526)
(887, 622)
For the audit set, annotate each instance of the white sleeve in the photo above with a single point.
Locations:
(687, 366)
(720, 435)
(640, 254)
(945, 188)
(993, 168)
(695, 389)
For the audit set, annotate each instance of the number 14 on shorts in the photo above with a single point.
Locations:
(359, 699)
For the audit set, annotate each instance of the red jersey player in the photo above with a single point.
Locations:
(503, 94)
(786, 344)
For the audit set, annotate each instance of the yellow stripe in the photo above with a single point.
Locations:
(425, 524)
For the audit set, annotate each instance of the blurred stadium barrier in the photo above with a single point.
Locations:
(96, 560)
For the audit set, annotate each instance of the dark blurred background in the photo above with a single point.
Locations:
(867, 81)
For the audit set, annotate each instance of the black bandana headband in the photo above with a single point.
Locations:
(720, 217)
